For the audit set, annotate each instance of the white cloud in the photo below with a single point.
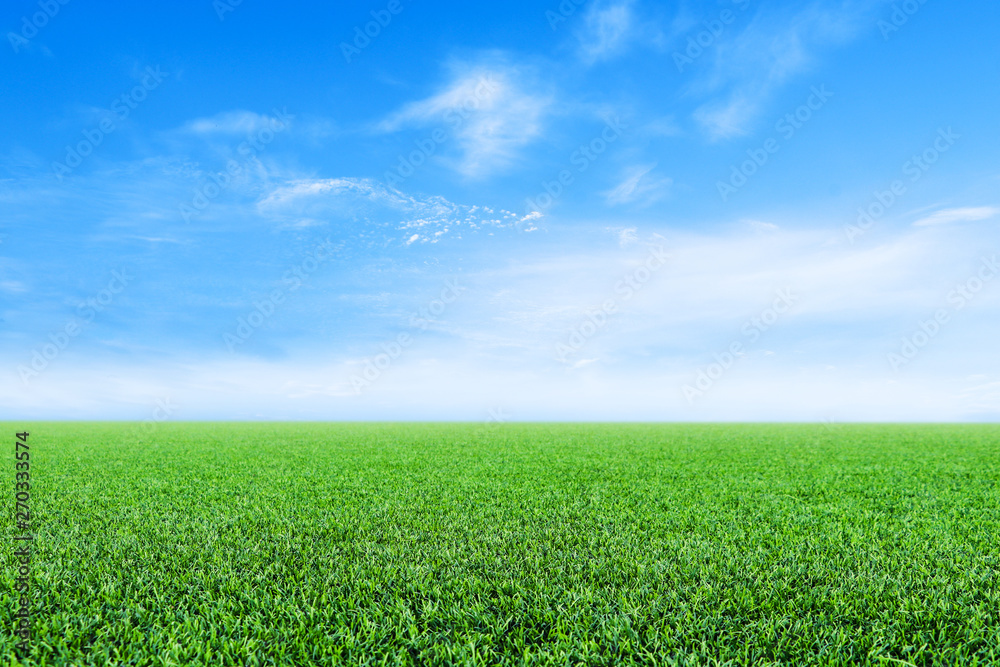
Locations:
(487, 110)
(290, 193)
(12, 286)
(533, 215)
(626, 235)
(665, 126)
(761, 227)
(372, 204)
(712, 283)
(229, 126)
(827, 355)
(605, 31)
(229, 122)
(724, 120)
(968, 214)
(638, 185)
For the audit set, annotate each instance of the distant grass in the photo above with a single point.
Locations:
(556, 544)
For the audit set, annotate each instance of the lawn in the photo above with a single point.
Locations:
(554, 544)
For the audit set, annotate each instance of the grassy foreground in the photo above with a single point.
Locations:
(315, 544)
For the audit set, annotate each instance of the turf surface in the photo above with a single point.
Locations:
(555, 544)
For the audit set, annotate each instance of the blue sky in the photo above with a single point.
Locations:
(529, 210)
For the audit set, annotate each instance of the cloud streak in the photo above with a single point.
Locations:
(417, 218)
(950, 215)
(638, 186)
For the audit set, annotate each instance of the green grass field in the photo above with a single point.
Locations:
(554, 544)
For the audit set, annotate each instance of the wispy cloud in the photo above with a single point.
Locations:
(605, 30)
(665, 126)
(403, 217)
(228, 122)
(12, 286)
(776, 45)
(948, 215)
(761, 227)
(638, 186)
(723, 120)
(626, 235)
(230, 126)
(489, 110)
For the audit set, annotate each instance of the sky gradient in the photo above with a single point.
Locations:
(531, 210)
